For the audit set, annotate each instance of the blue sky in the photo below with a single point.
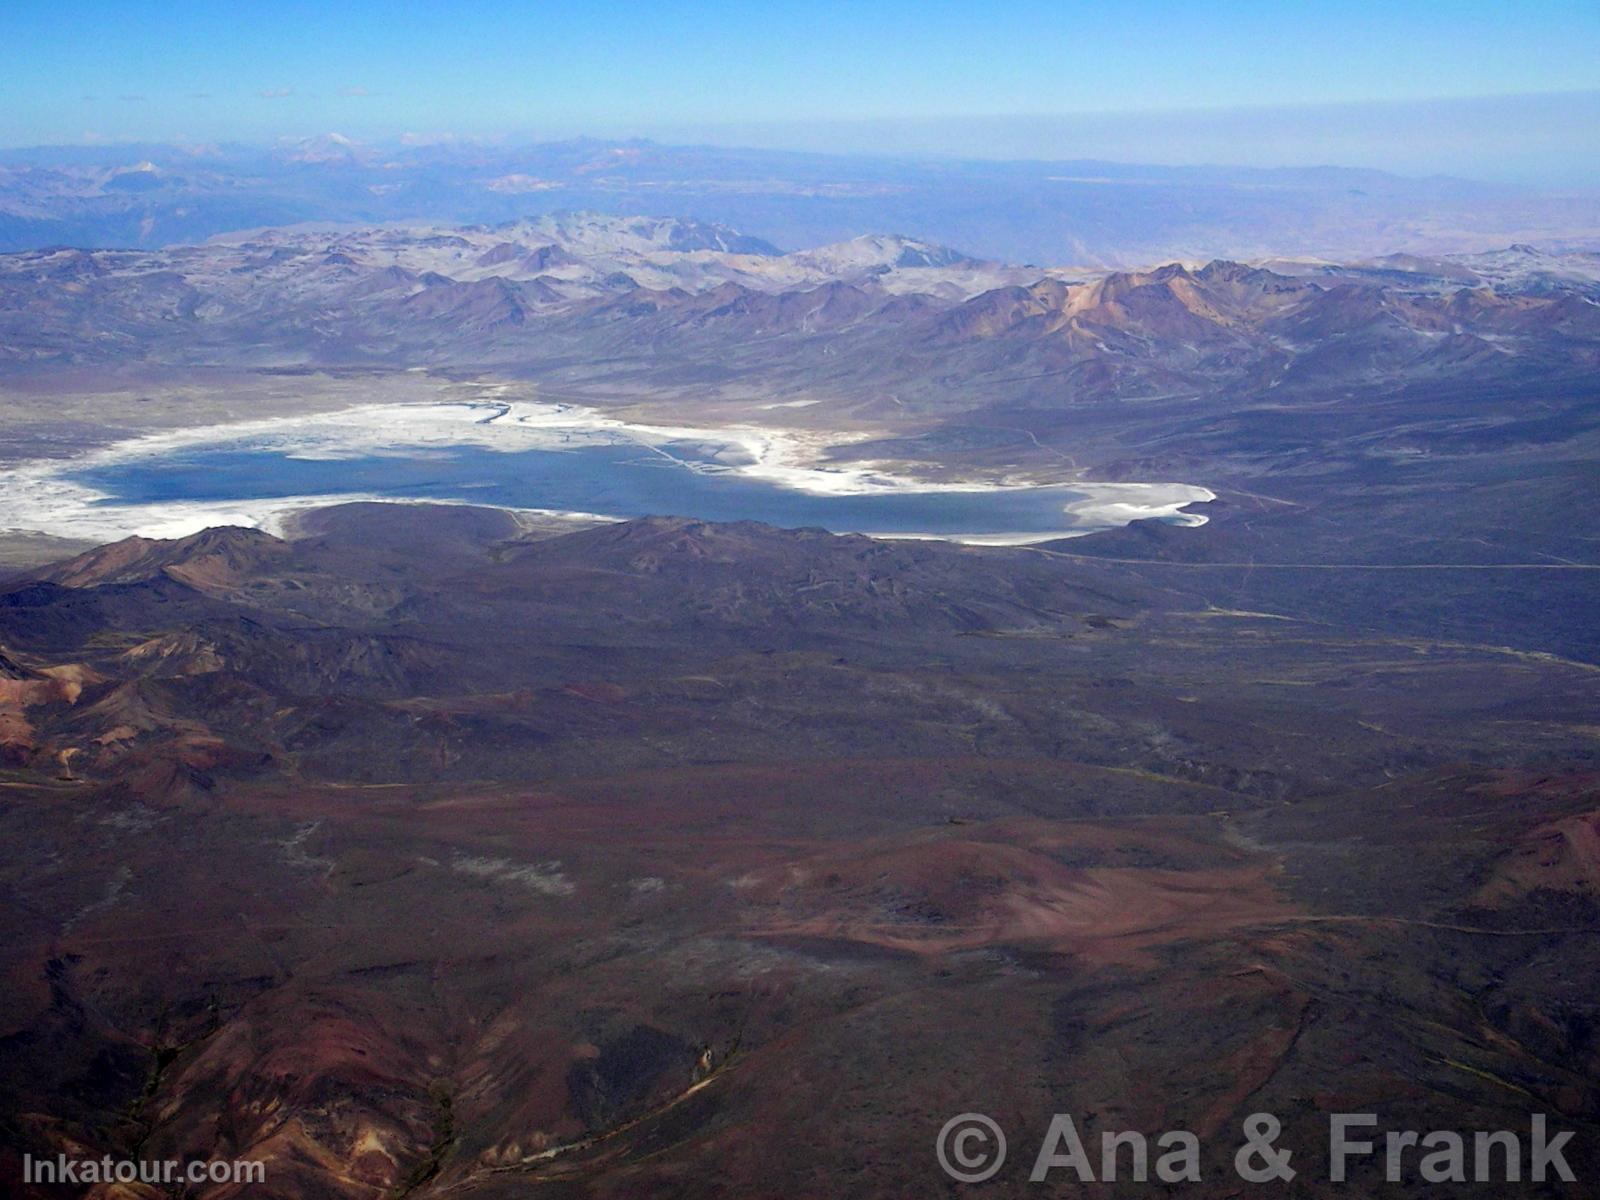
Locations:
(204, 72)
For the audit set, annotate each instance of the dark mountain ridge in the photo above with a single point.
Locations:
(632, 845)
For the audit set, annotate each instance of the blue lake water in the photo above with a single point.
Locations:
(613, 480)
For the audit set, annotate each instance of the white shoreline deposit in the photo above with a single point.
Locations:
(39, 496)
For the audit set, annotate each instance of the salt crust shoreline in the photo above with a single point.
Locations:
(40, 496)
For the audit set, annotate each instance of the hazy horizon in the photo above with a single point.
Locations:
(1378, 136)
(1490, 93)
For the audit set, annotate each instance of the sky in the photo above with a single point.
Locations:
(819, 75)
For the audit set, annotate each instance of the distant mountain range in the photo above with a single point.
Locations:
(597, 298)
(1087, 213)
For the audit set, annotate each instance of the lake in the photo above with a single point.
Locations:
(616, 480)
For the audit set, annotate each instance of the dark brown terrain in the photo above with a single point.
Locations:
(412, 856)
